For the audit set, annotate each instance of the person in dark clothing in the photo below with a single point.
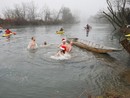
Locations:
(61, 29)
(87, 28)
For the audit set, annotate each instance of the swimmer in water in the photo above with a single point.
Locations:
(32, 44)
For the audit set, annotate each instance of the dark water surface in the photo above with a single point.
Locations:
(25, 74)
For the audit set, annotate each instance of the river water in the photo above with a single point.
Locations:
(25, 74)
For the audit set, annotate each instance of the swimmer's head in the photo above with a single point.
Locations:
(45, 43)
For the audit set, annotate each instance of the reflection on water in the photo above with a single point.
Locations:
(34, 74)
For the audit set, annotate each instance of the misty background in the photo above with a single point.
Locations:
(83, 8)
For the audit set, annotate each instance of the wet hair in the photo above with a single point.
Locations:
(45, 43)
(32, 38)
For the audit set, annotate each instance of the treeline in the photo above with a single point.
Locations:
(29, 14)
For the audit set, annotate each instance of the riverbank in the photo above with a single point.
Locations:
(124, 75)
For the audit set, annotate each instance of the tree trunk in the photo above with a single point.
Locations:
(126, 44)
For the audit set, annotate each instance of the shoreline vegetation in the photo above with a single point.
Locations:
(11, 24)
(118, 15)
(29, 14)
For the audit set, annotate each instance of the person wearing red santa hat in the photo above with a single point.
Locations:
(62, 50)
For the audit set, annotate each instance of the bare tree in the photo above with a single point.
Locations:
(24, 10)
(8, 13)
(17, 12)
(46, 14)
(67, 16)
(59, 14)
(117, 13)
(31, 11)
(28, 13)
(119, 17)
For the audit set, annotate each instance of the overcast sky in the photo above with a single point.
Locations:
(82, 7)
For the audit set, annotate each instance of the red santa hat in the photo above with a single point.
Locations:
(63, 40)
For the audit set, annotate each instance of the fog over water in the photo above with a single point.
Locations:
(84, 8)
